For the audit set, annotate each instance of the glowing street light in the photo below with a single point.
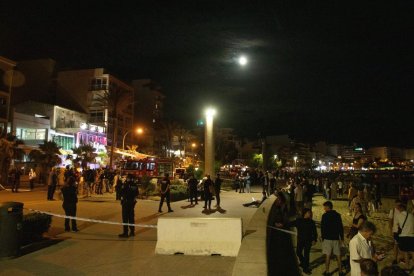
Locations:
(243, 60)
(138, 131)
(209, 142)
(295, 158)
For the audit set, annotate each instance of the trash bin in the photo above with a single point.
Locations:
(11, 217)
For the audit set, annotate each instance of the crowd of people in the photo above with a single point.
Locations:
(294, 209)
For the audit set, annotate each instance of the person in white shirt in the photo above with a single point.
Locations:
(361, 247)
(393, 225)
(299, 198)
(406, 237)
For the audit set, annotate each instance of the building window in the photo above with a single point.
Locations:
(99, 84)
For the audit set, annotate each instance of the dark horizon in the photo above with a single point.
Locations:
(340, 72)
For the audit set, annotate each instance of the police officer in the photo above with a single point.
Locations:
(192, 187)
(129, 193)
(165, 193)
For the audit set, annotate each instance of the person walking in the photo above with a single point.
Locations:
(165, 193)
(332, 232)
(192, 189)
(32, 177)
(217, 189)
(129, 194)
(208, 186)
(51, 188)
(70, 200)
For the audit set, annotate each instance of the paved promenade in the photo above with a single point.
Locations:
(97, 250)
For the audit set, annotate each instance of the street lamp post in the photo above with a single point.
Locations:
(138, 130)
(209, 143)
(295, 158)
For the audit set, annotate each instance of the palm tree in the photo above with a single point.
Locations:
(169, 129)
(9, 150)
(85, 154)
(47, 156)
(114, 99)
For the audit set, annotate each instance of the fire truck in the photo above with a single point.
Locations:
(151, 166)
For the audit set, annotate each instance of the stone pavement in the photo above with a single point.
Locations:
(96, 249)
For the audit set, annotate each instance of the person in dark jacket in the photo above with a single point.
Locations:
(332, 232)
(217, 189)
(192, 188)
(279, 250)
(208, 195)
(128, 193)
(70, 199)
(51, 188)
(307, 236)
(165, 193)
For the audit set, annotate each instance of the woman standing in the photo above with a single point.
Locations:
(358, 219)
(208, 192)
(70, 199)
(32, 176)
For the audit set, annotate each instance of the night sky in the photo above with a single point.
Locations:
(339, 71)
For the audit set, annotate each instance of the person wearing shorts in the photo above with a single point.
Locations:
(393, 225)
(332, 232)
(406, 238)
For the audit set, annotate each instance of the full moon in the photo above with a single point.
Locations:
(242, 60)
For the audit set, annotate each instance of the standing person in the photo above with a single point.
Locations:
(298, 198)
(208, 186)
(242, 183)
(32, 177)
(128, 193)
(307, 236)
(352, 193)
(70, 199)
(340, 188)
(16, 182)
(393, 225)
(248, 181)
(406, 237)
(89, 179)
(192, 188)
(361, 247)
(334, 190)
(51, 188)
(272, 184)
(118, 186)
(217, 189)
(360, 198)
(358, 219)
(332, 232)
(165, 193)
(279, 260)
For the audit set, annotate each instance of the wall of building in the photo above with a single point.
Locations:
(32, 130)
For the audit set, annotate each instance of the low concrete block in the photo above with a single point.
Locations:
(199, 236)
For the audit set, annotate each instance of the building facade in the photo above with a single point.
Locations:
(106, 100)
(6, 84)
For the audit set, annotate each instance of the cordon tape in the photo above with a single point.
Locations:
(92, 220)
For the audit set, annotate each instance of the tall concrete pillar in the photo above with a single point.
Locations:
(209, 144)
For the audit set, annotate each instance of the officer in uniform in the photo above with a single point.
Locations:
(165, 193)
(129, 193)
(192, 188)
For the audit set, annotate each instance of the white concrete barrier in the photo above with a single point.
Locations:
(199, 236)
